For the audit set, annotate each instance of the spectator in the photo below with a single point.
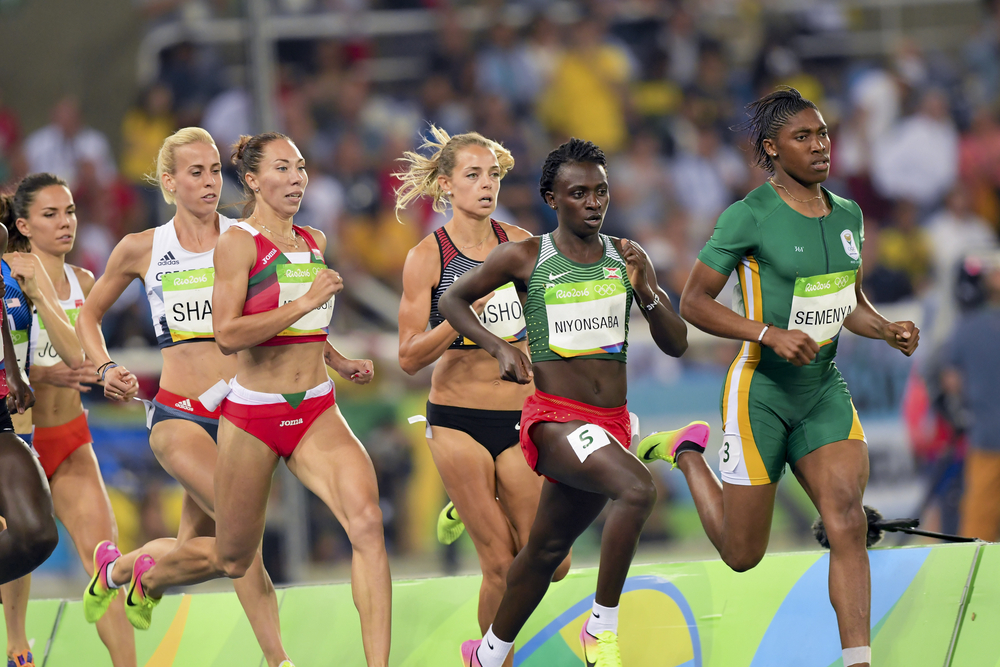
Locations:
(144, 128)
(681, 41)
(12, 166)
(585, 98)
(979, 162)
(882, 283)
(972, 361)
(642, 187)
(905, 245)
(505, 68)
(59, 147)
(917, 160)
(954, 232)
(708, 180)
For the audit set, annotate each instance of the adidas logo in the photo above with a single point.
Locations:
(168, 260)
(184, 405)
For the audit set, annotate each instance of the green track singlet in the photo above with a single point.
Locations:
(578, 310)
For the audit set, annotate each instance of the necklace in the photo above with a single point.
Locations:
(476, 245)
(801, 201)
(292, 241)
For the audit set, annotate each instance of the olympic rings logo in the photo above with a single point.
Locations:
(842, 281)
(605, 290)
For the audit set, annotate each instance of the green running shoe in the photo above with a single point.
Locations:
(449, 527)
(663, 445)
(99, 592)
(138, 605)
(602, 650)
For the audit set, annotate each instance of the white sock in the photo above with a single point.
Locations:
(602, 619)
(492, 652)
(111, 566)
(857, 655)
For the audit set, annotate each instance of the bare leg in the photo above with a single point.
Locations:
(736, 518)
(519, 490)
(565, 511)
(333, 464)
(82, 504)
(835, 477)
(470, 479)
(15, 609)
(188, 453)
(31, 534)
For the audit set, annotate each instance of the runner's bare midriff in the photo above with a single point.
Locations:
(471, 379)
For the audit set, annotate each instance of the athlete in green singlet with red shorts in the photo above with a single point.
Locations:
(796, 249)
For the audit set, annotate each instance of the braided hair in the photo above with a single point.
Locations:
(574, 150)
(767, 116)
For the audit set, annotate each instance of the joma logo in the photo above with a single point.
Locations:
(290, 422)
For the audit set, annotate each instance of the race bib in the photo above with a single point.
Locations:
(588, 439)
(820, 304)
(187, 302)
(503, 315)
(586, 317)
(45, 353)
(20, 340)
(730, 453)
(294, 280)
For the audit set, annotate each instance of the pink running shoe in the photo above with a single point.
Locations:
(664, 444)
(469, 657)
(138, 605)
(99, 592)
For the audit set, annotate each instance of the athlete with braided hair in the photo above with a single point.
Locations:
(575, 428)
(796, 248)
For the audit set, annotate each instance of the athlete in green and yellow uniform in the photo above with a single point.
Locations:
(795, 272)
(796, 249)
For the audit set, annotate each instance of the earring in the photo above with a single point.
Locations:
(257, 190)
(448, 192)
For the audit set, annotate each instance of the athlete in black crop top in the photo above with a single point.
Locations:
(486, 477)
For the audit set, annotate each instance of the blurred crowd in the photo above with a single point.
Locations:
(658, 84)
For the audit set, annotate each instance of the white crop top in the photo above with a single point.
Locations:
(179, 288)
(40, 348)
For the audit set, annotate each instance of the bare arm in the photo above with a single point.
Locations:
(20, 397)
(37, 286)
(866, 321)
(668, 329)
(506, 263)
(234, 257)
(699, 307)
(419, 347)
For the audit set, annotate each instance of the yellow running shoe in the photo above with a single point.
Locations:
(449, 526)
(138, 605)
(602, 650)
(286, 663)
(663, 445)
(99, 592)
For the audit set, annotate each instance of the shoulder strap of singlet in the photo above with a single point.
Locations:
(245, 226)
(311, 242)
(75, 289)
(499, 231)
(611, 250)
(448, 249)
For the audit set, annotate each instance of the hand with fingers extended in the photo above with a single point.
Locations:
(904, 336)
(325, 285)
(791, 345)
(515, 366)
(61, 375)
(120, 384)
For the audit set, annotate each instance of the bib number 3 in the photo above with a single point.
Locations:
(588, 439)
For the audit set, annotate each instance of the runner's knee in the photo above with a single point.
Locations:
(640, 495)
(364, 529)
(235, 567)
(846, 524)
(495, 564)
(743, 560)
(35, 538)
(546, 555)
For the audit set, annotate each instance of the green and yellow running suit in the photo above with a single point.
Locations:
(794, 272)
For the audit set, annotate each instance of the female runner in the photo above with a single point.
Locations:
(271, 306)
(26, 269)
(46, 227)
(174, 262)
(796, 248)
(485, 476)
(28, 532)
(580, 285)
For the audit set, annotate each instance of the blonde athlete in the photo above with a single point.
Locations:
(174, 263)
(486, 477)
